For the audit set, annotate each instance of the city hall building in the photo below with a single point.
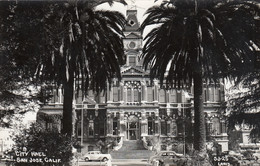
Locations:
(138, 109)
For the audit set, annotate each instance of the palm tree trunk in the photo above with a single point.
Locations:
(199, 119)
(67, 126)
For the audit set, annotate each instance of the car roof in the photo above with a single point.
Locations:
(170, 152)
(167, 152)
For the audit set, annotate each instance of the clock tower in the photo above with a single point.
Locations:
(133, 39)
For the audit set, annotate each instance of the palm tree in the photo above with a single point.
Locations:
(75, 46)
(197, 40)
(87, 48)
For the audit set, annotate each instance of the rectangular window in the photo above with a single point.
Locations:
(132, 61)
(115, 129)
(55, 94)
(206, 95)
(156, 128)
(163, 147)
(49, 126)
(115, 94)
(101, 128)
(78, 97)
(149, 94)
(179, 97)
(129, 95)
(211, 94)
(102, 97)
(136, 96)
(168, 128)
(162, 96)
(150, 127)
(79, 128)
(223, 127)
(172, 96)
(91, 128)
(91, 96)
(96, 127)
(163, 128)
(207, 129)
(217, 97)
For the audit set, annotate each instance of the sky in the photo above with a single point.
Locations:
(140, 5)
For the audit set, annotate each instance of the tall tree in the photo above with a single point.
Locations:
(244, 103)
(197, 40)
(69, 41)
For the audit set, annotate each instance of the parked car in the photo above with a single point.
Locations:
(256, 156)
(166, 157)
(96, 155)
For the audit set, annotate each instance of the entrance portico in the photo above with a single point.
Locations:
(131, 122)
(133, 128)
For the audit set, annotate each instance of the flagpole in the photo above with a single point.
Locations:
(82, 115)
(184, 147)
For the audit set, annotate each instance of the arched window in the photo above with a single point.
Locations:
(133, 91)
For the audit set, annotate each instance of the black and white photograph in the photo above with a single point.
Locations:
(129, 83)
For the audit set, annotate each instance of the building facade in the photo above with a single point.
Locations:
(136, 108)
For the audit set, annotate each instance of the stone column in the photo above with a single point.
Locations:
(125, 94)
(144, 127)
(167, 96)
(111, 94)
(169, 131)
(122, 91)
(108, 94)
(156, 87)
(144, 92)
(168, 110)
(122, 124)
(109, 124)
(132, 94)
(157, 123)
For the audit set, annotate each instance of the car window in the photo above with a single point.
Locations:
(164, 154)
(92, 152)
(171, 154)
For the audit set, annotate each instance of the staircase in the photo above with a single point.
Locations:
(133, 149)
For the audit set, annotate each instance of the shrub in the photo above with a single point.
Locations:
(50, 145)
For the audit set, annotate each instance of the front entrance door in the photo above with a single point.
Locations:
(133, 128)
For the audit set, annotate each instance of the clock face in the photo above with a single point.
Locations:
(131, 22)
(132, 45)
